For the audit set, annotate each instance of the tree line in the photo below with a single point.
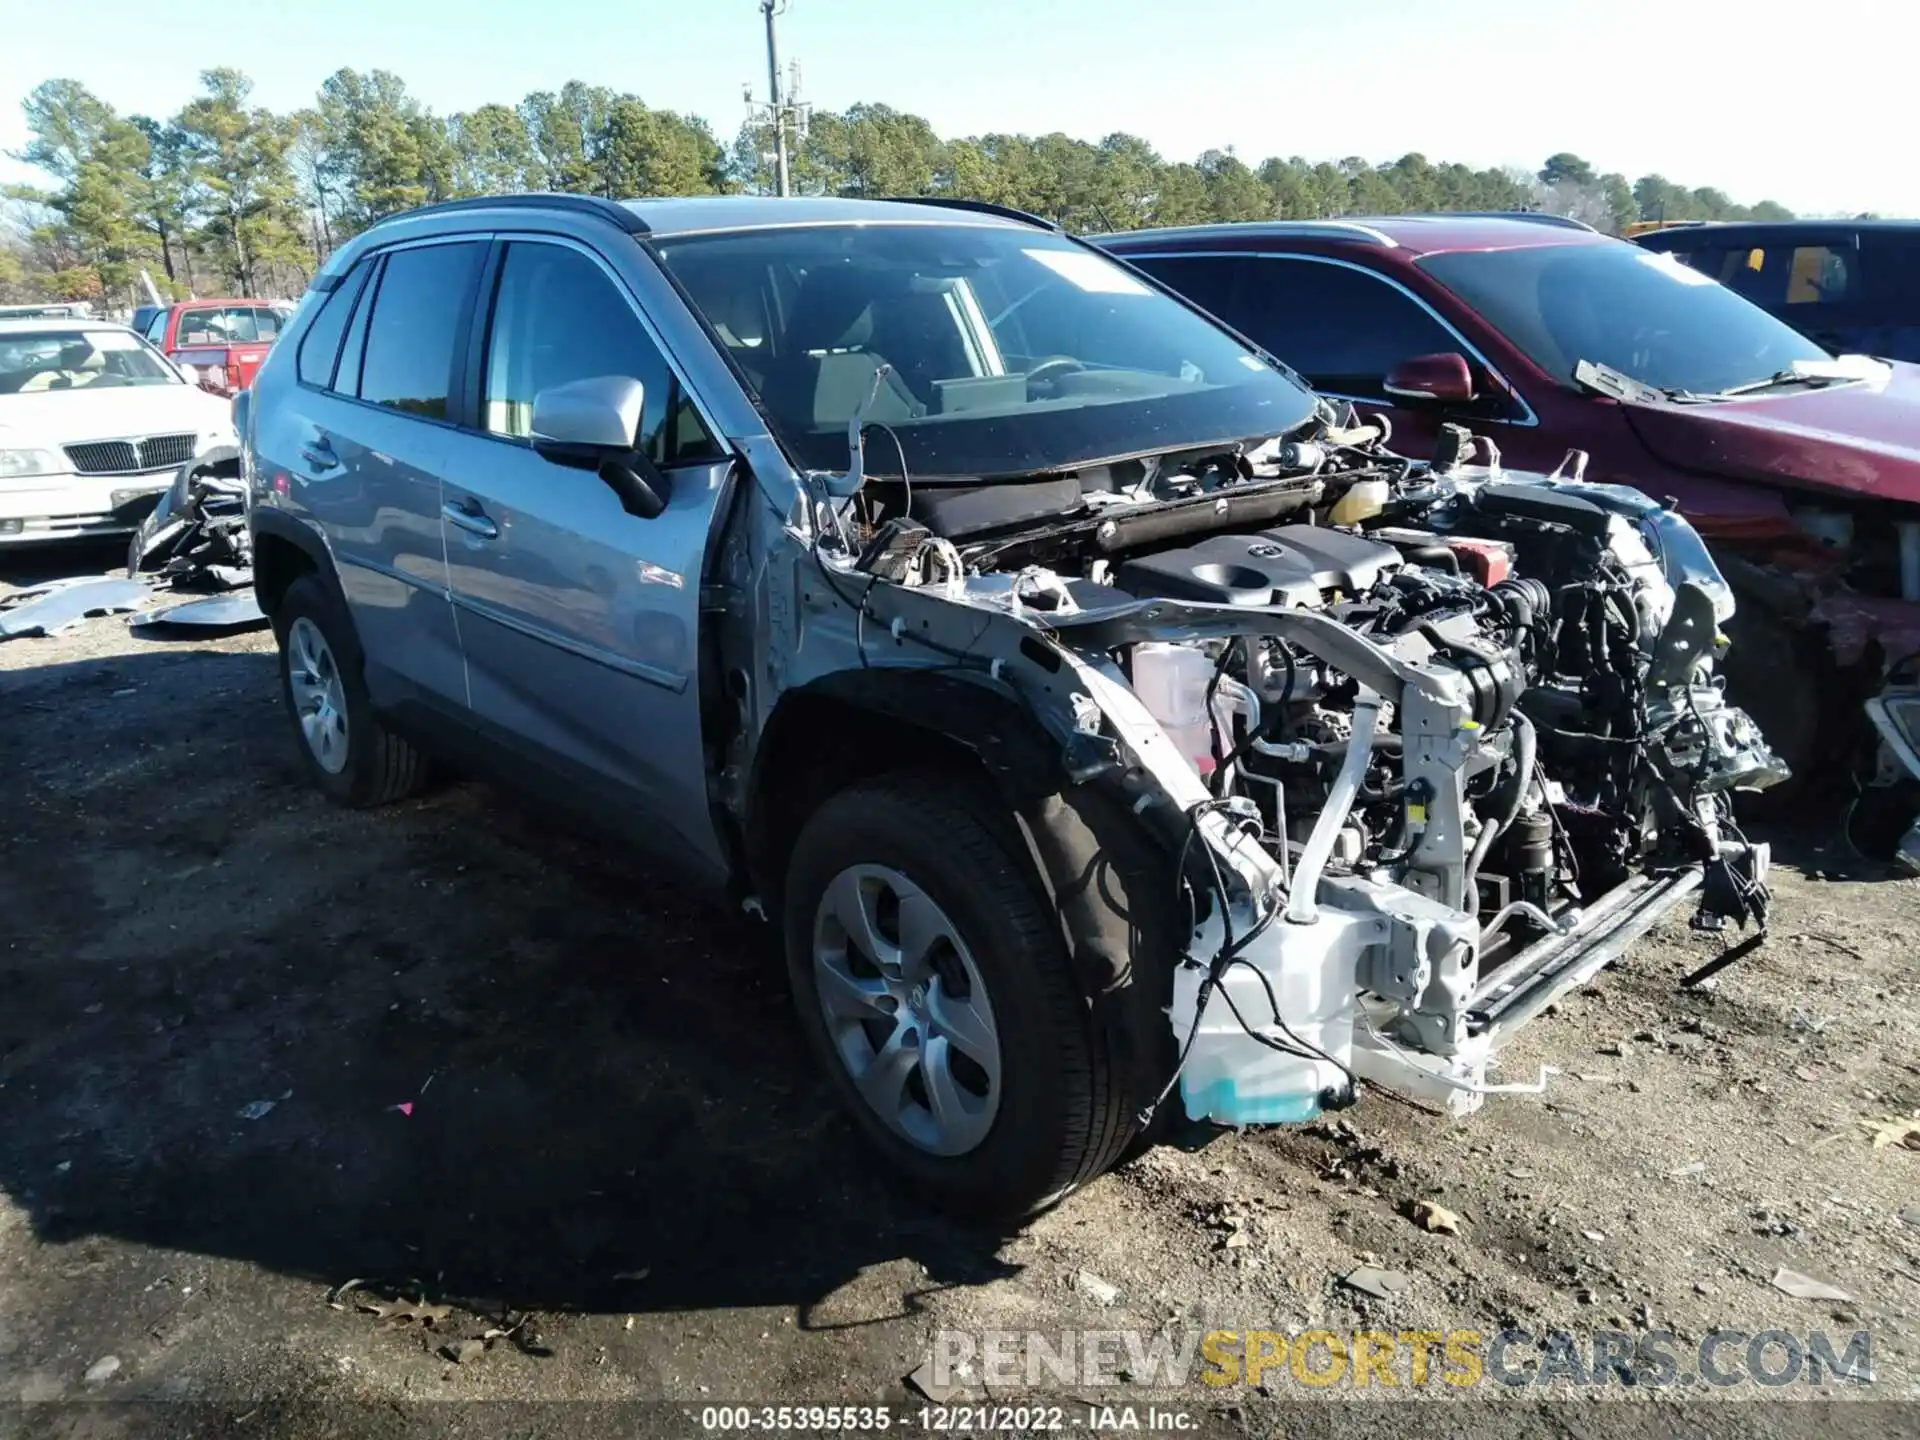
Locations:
(229, 196)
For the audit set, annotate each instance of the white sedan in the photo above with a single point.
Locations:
(94, 422)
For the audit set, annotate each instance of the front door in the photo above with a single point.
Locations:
(580, 622)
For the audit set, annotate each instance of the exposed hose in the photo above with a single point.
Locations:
(1302, 906)
(1230, 695)
(1532, 912)
(1523, 753)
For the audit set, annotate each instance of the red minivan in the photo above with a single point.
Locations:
(1802, 467)
(223, 340)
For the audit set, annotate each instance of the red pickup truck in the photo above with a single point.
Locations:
(223, 340)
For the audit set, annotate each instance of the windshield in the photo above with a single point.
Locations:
(33, 361)
(996, 351)
(1644, 314)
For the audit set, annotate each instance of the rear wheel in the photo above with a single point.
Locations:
(348, 751)
(932, 980)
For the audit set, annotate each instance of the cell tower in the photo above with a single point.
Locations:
(785, 116)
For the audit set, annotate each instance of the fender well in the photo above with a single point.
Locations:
(283, 551)
(858, 723)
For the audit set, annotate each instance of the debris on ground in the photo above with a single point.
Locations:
(922, 1380)
(103, 1369)
(634, 1275)
(210, 612)
(256, 1109)
(1805, 1287)
(1101, 1292)
(339, 1293)
(1890, 1130)
(1381, 1284)
(195, 541)
(399, 1308)
(1692, 1167)
(406, 1310)
(58, 605)
(465, 1352)
(1434, 1217)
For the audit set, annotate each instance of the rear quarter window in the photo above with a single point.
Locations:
(320, 346)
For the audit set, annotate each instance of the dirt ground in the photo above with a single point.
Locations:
(253, 1047)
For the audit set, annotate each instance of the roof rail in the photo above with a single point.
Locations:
(609, 210)
(1299, 228)
(984, 207)
(1532, 217)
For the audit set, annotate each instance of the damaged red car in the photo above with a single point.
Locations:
(1800, 466)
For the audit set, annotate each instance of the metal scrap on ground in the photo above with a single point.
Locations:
(57, 605)
(1805, 1287)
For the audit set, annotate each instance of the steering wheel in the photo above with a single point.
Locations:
(1051, 368)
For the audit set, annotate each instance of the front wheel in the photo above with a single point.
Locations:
(932, 980)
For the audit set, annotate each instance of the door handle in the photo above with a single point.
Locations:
(318, 452)
(468, 516)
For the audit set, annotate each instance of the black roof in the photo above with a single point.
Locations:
(1746, 231)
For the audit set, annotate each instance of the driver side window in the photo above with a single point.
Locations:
(557, 317)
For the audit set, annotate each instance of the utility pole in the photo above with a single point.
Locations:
(782, 184)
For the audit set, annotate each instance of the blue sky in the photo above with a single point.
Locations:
(1762, 99)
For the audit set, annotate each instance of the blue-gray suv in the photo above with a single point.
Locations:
(1111, 728)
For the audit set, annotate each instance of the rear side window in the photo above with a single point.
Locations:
(200, 327)
(1209, 281)
(557, 317)
(408, 364)
(1343, 329)
(320, 346)
(157, 327)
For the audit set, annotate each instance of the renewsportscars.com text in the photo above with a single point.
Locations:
(1400, 1359)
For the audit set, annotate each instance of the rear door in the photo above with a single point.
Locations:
(363, 439)
(580, 622)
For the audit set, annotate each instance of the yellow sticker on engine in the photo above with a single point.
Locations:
(1416, 814)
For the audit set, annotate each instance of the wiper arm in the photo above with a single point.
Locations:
(1799, 375)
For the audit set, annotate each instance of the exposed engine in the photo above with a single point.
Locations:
(1440, 742)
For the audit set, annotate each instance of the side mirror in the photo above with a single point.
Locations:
(590, 425)
(1444, 378)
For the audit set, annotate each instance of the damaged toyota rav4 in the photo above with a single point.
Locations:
(1113, 731)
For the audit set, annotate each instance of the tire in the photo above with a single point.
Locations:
(348, 753)
(1784, 682)
(1064, 1106)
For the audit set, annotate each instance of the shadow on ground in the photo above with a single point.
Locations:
(601, 1072)
(23, 565)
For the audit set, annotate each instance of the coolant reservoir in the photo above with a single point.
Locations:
(1171, 681)
(1364, 499)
